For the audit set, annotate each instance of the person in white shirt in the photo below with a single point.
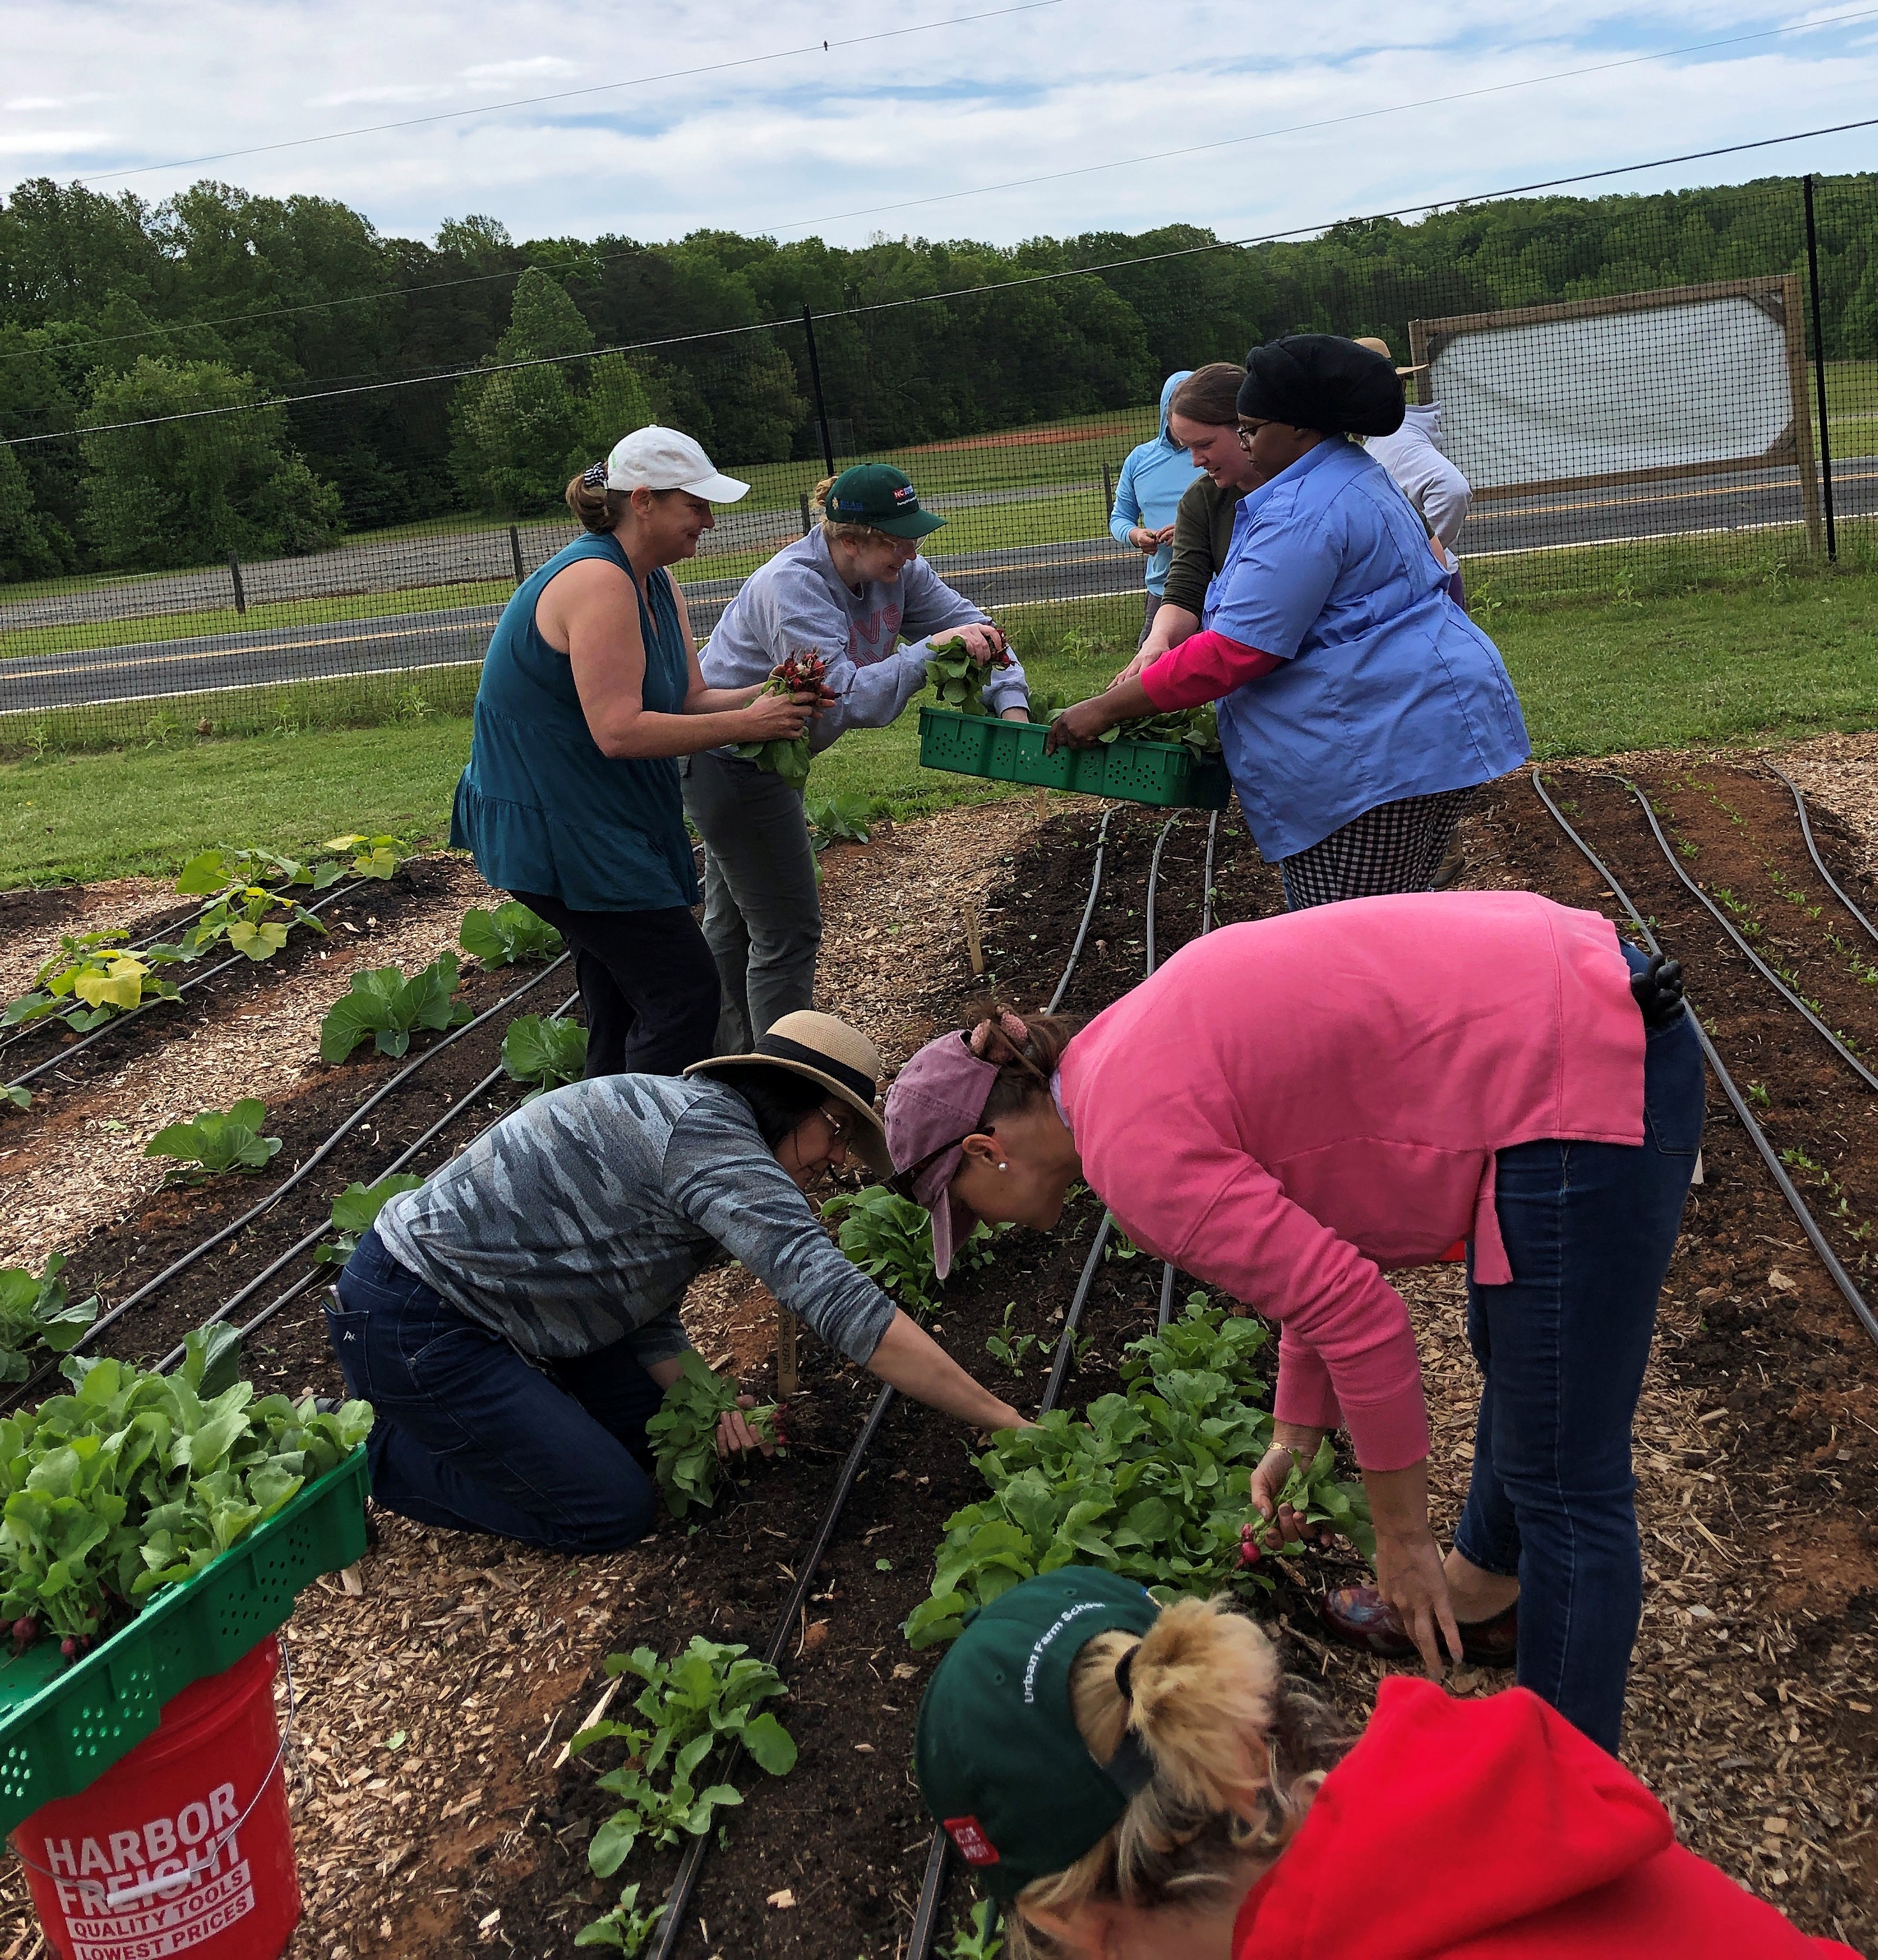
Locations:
(1414, 457)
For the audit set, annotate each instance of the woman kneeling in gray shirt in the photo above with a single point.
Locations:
(514, 1320)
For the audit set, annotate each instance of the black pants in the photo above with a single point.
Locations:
(648, 986)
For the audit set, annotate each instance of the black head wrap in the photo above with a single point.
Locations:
(1322, 381)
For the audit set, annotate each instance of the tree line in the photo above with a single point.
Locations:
(115, 314)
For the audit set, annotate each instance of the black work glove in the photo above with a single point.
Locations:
(1658, 991)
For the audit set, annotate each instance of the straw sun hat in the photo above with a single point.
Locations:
(1381, 347)
(827, 1051)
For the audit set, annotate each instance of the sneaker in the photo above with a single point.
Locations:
(1360, 1616)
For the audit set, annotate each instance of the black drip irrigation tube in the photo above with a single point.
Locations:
(110, 1027)
(1166, 1312)
(185, 1260)
(1759, 965)
(1813, 851)
(671, 1918)
(306, 1243)
(1770, 1157)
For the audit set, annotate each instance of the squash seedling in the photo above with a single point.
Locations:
(34, 1315)
(218, 1141)
(507, 935)
(91, 980)
(390, 1007)
(355, 1211)
(544, 1051)
(372, 856)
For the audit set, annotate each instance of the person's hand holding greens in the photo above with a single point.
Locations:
(514, 1320)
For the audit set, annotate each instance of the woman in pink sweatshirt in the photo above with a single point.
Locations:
(1291, 1107)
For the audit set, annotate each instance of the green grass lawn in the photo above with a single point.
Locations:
(1785, 657)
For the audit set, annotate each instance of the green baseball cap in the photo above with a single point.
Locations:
(879, 495)
(1002, 1764)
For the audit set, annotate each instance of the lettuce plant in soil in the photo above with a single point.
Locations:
(390, 1007)
(683, 1433)
(510, 932)
(800, 673)
(957, 678)
(12, 1096)
(890, 1238)
(136, 1480)
(218, 1141)
(34, 1317)
(1154, 1482)
(355, 1211)
(708, 1695)
(544, 1051)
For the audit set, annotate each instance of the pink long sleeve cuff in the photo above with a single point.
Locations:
(1202, 667)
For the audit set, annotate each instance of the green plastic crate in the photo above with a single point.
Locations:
(62, 1725)
(1166, 773)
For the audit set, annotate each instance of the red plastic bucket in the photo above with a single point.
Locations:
(182, 1846)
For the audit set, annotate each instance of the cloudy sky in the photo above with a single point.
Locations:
(1058, 118)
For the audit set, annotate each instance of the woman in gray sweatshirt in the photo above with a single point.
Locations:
(852, 590)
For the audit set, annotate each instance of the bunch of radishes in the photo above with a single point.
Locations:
(798, 673)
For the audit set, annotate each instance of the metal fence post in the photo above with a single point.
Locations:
(1819, 371)
(514, 553)
(815, 382)
(1108, 495)
(234, 572)
(808, 524)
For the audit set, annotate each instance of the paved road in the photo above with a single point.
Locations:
(1081, 569)
(457, 637)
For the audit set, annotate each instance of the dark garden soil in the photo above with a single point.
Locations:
(373, 906)
(1751, 1701)
(291, 1352)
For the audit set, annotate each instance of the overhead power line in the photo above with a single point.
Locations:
(1326, 123)
(954, 293)
(569, 94)
(1127, 162)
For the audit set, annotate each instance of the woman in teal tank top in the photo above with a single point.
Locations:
(590, 692)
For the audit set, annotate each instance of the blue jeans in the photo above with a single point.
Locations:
(1589, 1230)
(470, 1435)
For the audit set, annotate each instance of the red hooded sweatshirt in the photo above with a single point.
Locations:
(1488, 1830)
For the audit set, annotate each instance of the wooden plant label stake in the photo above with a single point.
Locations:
(1042, 804)
(974, 943)
(787, 1381)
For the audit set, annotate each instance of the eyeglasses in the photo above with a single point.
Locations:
(1246, 431)
(840, 1126)
(901, 1183)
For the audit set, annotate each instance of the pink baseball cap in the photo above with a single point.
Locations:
(936, 1102)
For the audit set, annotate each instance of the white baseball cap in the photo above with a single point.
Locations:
(662, 459)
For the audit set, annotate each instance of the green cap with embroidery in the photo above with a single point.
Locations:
(879, 495)
(1002, 1764)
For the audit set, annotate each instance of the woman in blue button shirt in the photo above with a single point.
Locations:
(1358, 706)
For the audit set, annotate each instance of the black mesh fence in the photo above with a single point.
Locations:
(1640, 391)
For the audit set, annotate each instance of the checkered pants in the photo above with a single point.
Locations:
(1396, 847)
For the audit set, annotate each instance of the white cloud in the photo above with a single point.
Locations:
(790, 142)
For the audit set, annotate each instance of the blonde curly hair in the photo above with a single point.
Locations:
(1209, 1703)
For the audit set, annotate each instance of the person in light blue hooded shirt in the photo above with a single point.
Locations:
(1147, 493)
